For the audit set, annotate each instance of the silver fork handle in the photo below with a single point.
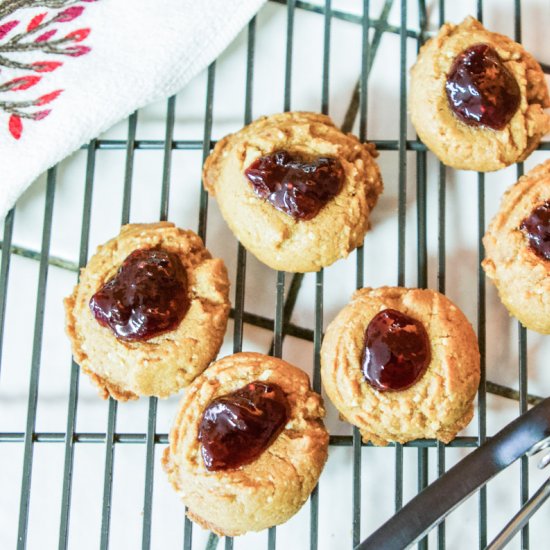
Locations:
(522, 517)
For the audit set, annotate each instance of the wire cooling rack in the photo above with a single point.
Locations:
(287, 287)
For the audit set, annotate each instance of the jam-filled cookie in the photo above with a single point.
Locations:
(401, 364)
(149, 313)
(477, 98)
(517, 248)
(248, 444)
(294, 189)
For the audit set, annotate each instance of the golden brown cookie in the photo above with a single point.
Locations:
(272, 488)
(475, 147)
(514, 261)
(439, 403)
(167, 362)
(283, 240)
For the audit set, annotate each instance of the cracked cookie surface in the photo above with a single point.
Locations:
(269, 490)
(521, 276)
(166, 363)
(476, 148)
(439, 404)
(274, 237)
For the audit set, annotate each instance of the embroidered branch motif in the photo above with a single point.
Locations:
(41, 35)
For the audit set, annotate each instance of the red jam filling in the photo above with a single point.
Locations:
(146, 297)
(295, 186)
(237, 428)
(481, 91)
(396, 353)
(536, 228)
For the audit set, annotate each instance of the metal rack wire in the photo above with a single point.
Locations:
(280, 324)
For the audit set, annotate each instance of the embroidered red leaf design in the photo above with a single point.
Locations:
(39, 115)
(7, 27)
(42, 100)
(20, 83)
(46, 36)
(69, 14)
(46, 66)
(35, 21)
(78, 35)
(76, 51)
(15, 126)
(39, 29)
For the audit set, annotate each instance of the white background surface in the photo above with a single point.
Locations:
(335, 504)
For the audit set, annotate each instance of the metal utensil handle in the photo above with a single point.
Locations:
(522, 517)
(440, 498)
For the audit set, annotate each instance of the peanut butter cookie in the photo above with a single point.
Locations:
(294, 189)
(248, 444)
(149, 313)
(477, 98)
(401, 364)
(517, 248)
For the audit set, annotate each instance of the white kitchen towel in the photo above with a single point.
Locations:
(70, 69)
